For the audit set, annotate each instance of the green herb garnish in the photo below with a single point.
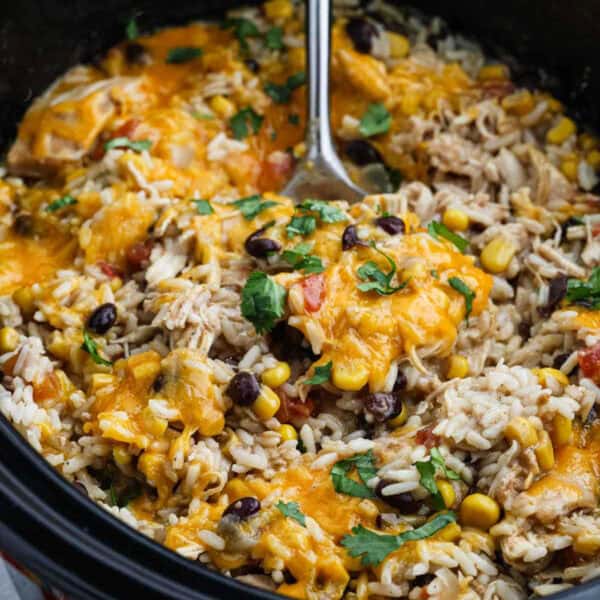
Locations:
(434, 273)
(294, 119)
(427, 470)
(365, 467)
(263, 301)
(89, 345)
(301, 226)
(587, 292)
(292, 510)
(328, 213)
(252, 206)
(242, 29)
(300, 259)
(321, 375)
(437, 230)
(281, 93)
(60, 203)
(203, 116)
(373, 547)
(274, 38)
(203, 207)
(377, 280)
(462, 288)
(183, 54)
(125, 142)
(132, 30)
(375, 120)
(244, 119)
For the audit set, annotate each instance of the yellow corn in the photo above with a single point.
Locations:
(450, 533)
(417, 270)
(279, 10)
(569, 168)
(116, 283)
(564, 129)
(521, 430)
(276, 376)
(593, 159)
(147, 370)
(544, 451)
(497, 254)
(400, 418)
(267, 403)
(287, 433)
(587, 543)
(588, 141)
(121, 456)
(23, 298)
(153, 425)
(458, 366)
(562, 428)
(542, 374)
(554, 105)
(493, 72)
(479, 510)
(236, 489)
(455, 219)
(399, 45)
(447, 491)
(349, 377)
(100, 380)
(9, 339)
(520, 103)
(297, 58)
(224, 107)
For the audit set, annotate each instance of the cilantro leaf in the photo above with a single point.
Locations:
(242, 29)
(427, 480)
(89, 345)
(376, 280)
(462, 288)
(125, 142)
(132, 30)
(300, 259)
(438, 460)
(202, 116)
(263, 301)
(292, 510)
(373, 547)
(274, 38)
(294, 119)
(60, 203)
(328, 213)
(281, 93)
(253, 205)
(183, 54)
(203, 207)
(301, 226)
(246, 117)
(365, 467)
(322, 374)
(375, 120)
(437, 230)
(586, 293)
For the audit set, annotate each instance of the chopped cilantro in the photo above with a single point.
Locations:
(437, 230)
(132, 30)
(294, 119)
(274, 38)
(427, 470)
(89, 345)
(263, 301)
(242, 29)
(301, 259)
(434, 273)
(375, 279)
(301, 226)
(281, 93)
(586, 293)
(373, 547)
(183, 54)
(322, 374)
(60, 203)
(395, 177)
(365, 467)
(202, 116)
(328, 213)
(245, 118)
(125, 142)
(292, 510)
(375, 120)
(253, 205)
(462, 288)
(203, 207)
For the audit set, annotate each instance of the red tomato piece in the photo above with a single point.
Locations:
(589, 362)
(293, 408)
(313, 288)
(139, 253)
(426, 437)
(109, 270)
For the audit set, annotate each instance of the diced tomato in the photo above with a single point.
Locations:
(595, 230)
(427, 438)
(275, 171)
(109, 270)
(313, 288)
(589, 362)
(293, 408)
(139, 253)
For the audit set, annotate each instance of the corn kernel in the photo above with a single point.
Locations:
(349, 377)
(399, 45)
(544, 451)
(147, 370)
(562, 430)
(9, 339)
(564, 129)
(236, 489)
(287, 433)
(279, 10)
(588, 142)
(450, 533)
(297, 59)
(493, 72)
(116, 283)
(447, 492)
(497, 254)
(100, 380)
(542, 374)
(400, 418)
(554, 105)
(587, 543)
(276, 376)
(224, 107)
(121, 456)
(458, 366)
(521, 430)
(267, 403)
(569, 168)
(455, 219)
(479, 510)
(23, 297)
(520, 103)
(593, 159)
(152, 424)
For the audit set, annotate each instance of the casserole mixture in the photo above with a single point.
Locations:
(389, 399)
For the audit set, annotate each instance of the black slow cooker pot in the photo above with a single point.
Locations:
(47, 524)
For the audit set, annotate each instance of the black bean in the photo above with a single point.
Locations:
(559, 359)
(557, 291)
(350, 237)
(381, 406)
(243, 508)
(361, 153)
(158, 383)
(404, 502)
(243, 388)
(261, 247)
(524, 329)
(361, 32)
(570, 222)
(423, 580)
(135, 53)
(392, 225)
(103, 318)
(252, 65)
(401, 382)
(24, 224)
(287, 343)
(591, 416)
(80, 488)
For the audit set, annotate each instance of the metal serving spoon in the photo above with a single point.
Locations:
(320, 174)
